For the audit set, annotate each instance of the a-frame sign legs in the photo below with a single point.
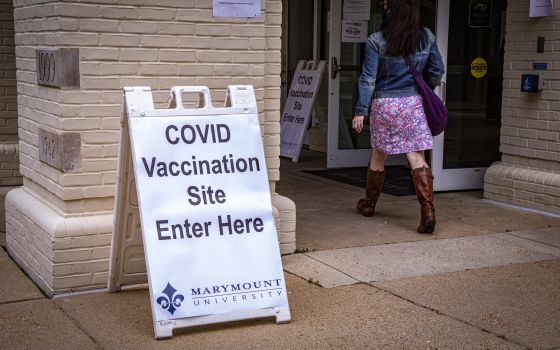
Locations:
(164, 329)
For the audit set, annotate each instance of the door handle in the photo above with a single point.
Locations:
(335, 68)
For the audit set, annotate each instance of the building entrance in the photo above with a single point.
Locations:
(470, 37)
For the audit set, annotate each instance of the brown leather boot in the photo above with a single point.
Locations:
(374, 184)
(424, 186)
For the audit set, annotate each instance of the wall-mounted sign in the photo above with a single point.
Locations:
(479, 67)
(230, 8)
(356, 10)
(540, 65)
(541, 8)
(480, 13)
(354, 31)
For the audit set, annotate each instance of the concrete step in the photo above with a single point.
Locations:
(338, 267)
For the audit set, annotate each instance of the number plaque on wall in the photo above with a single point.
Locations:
(58, 67)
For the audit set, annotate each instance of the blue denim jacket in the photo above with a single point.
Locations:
(389, 76)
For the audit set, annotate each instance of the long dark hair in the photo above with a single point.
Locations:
(401, 28)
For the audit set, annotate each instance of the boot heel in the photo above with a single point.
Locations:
(365, 207)
(428, 227)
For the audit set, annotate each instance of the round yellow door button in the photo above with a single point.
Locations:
(479, 67)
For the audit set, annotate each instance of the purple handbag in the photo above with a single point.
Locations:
(437, 115)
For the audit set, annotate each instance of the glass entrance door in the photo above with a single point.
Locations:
(346, 148)
(471, 37)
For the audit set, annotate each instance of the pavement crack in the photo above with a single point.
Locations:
(79, 326)
(517, 234)
(334, 268)
(20, 301)
(482, 329)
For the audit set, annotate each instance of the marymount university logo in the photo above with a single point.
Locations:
(171, 300)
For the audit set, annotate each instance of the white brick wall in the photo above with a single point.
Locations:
(529, 174)
(122, 43)
(60, 253)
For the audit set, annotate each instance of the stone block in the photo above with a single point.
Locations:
(58, 67)
(60, 150)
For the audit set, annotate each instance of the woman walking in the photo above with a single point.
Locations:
(388, 91)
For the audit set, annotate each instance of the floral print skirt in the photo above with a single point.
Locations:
(398, 125)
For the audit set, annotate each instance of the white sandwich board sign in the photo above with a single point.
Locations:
(210, 242)
(297, 109)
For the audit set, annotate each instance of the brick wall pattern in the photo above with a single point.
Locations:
(126, 43)
(122, 43)
(9, 163)
(529, 173)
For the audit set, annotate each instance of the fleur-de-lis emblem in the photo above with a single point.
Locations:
(171, 301)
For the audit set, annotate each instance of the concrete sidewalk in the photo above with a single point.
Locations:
(488, 279)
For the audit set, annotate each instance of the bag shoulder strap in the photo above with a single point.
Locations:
(411, 66)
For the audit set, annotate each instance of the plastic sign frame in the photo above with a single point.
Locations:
(247, 280)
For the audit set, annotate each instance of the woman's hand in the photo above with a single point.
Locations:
(358, 123)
